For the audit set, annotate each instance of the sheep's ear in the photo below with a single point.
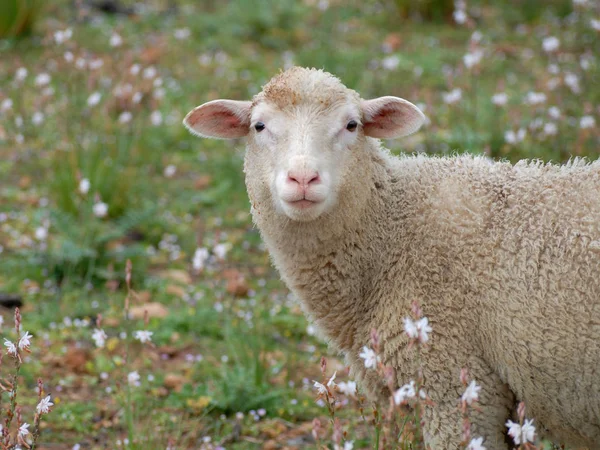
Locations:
(220, 119)
(390, 117)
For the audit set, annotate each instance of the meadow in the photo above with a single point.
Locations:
(156, 318)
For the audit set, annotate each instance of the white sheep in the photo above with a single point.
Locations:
(505, 260)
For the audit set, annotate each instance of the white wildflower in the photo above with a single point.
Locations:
(182, 33)
(500, 99)
(473, 58)
(331, 383)
(476, 36)
(37, 118)
(220, 250)
(550, 129)
(453, 96)
(201, 255)
(6, 104)
(62, 36)
(595, 23)
(471, 394)
(460, 16)
(44, 405)
(535, 98)
(390, 63)
(513, 137)
(137, 97)
(41, 233)
(587, 122)
(133, 378)
(116, 40)
(94, 99)
(521, 434)
(554, 112)
(321, 388)
(100, 209)
(84, 186)
(572, 81)
(150, 72)
(550, 44)
(347, 388)
(369, 356)
(11, 348)
(68, 56)
(170, 170)
(23, 430)
(21, 74)
(476, 444)
(99, 337)
(42, 79)
(405, 393)
(417, 330)
(125, 117)
(156, 118)
(410, 328)
(135, 69)
(143, 336)
(25, 341)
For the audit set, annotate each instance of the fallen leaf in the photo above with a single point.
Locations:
(155, 310)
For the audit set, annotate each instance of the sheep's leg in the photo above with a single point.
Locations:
(443, 421)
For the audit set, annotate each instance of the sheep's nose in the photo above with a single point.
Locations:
(303, 177)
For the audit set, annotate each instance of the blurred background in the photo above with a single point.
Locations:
(96, 169)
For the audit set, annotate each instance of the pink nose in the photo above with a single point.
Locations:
(303, 177)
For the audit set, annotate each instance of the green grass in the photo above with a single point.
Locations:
(254, 346)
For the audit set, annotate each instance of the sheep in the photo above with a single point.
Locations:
(504, 259)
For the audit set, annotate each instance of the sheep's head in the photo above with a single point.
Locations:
(306, 132)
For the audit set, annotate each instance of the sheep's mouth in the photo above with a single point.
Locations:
(303, 203)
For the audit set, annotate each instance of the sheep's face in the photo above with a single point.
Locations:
(306, 134)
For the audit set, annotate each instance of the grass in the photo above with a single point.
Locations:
(228, 339)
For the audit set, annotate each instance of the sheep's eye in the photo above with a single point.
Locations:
(351, 125)
(259, 126)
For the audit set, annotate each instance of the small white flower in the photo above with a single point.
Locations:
(44, 405)
(201, 255)
(100, 209)
(331, 383)
(347, 388)
(149, 72)
(321, 388)
(11, 348)
(550, 44)
(476, 444)
(116, 40)
(137, 97)
(473, 58)
(554, 112)
(68, 56)
(369, 356)
(349, 445)
(62, 36)
(135, 69)
(500, 99)
(521, 434)
(125, 117)
(405, 393)
(550, 129)
(143, 336)
(94, 99)
(95, 64)
(156, 118)
(390, 63)
(23, 431)
(460, 16)
(424, 329)
(42, 79)
(453, 96)
(133, 378)
(170, 170)
(513, 137)
(182, 33)
(84, 186)
(572, 81)
(410, 328)
(41, 233)
(25, 341)
(99, 337)
(21, 74)
(220, 250)
(587, 122)
(7, 104)
(471, 394)
(535, 98)
(595, 23)
(37, 118)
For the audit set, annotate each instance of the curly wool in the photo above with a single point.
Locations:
(504, 260)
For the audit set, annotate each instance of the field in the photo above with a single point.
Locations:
(96, 170)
